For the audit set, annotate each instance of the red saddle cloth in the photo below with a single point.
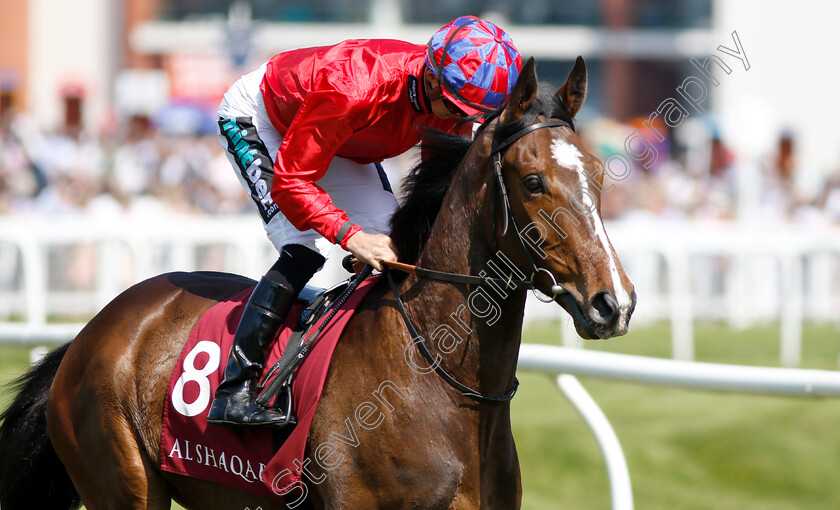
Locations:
(247, 459)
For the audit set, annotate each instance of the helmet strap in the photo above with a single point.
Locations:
(434, 93)
(429, 93)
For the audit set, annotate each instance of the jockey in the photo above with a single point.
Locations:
(305, 133)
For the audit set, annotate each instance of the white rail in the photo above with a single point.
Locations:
(744, 274)
(621, 490)
(21, 332)
(562, 361)
(766, 272)
(792, 382)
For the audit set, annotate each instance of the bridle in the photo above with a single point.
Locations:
(496, 153)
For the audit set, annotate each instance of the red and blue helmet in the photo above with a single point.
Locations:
(475, 62)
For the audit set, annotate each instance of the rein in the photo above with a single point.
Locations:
(466, 279)
(421, 345)
(431, 274)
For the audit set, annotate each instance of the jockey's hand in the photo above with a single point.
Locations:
(372, 248)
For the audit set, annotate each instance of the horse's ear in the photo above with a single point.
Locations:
(524, 93)
(573, 92)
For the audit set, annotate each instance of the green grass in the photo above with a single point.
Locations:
(686, 450)
(13, 360)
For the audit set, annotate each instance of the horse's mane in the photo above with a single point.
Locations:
(424, 188)
(428, 181)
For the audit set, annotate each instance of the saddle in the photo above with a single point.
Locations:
(243, 458)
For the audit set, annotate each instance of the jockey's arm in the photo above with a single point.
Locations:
(308, 148)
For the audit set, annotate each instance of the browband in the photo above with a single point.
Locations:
(500, 146)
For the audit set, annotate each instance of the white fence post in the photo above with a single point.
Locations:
(682, 319)
(35, 284)
(554, 360)
(621, 490)
(791, 320)
(109, 271)
(155, 247)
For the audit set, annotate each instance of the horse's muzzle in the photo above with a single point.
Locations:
(600, 317)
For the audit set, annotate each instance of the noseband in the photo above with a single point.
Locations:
(496, 153)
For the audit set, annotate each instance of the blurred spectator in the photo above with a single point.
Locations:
(829, 201)
(136, 160)
(140, 170)
(715, 197)
(691, 177)
(73, 172)
(21, 179)
(778, 191)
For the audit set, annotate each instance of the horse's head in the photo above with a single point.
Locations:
(554, 188)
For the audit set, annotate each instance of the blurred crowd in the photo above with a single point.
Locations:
(698, 176)
(137, 170)
(140, 169)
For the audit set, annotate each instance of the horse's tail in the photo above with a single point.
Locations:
(31, 475)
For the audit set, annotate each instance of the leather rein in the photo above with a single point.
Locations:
(496, 152)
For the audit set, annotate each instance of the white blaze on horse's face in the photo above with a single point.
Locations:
(568, 156)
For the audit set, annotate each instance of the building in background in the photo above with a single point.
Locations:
(94, 64)
(108, 70)
(87, 61)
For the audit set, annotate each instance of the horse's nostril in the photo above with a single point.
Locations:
(603, 308)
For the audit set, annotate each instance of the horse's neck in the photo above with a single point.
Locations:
(487, 320)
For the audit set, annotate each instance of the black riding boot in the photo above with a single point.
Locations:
(234, 403)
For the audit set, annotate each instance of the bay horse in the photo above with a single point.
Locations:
(86, 422)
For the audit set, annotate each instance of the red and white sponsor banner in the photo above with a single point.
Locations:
(200, 77)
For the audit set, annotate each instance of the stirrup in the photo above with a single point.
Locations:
(242, 410)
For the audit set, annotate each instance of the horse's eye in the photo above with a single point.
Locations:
(533, 183)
